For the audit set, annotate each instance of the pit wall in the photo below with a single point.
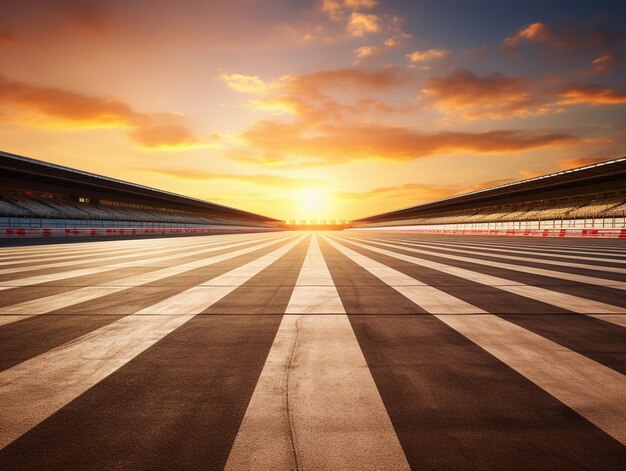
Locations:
(589, 233)
(119, 231)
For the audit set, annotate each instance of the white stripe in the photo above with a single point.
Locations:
(91, 271)
(315, 291)
(90, 258)
(77, 248)
(429, 298)
(67, 255)
(46, 248)
(559, 263)
(595, 391)
(565, 301)
(316, 405)
(538, 251)
(557, 248)
(70, 298)
(33, 390)
(60, 256)
(590, 280)
(197, 299)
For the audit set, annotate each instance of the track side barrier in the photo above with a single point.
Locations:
(8, 232)
(589, 233)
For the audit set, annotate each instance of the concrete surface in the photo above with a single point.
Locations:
(313, 351)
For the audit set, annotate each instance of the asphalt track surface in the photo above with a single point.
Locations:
(314, 351)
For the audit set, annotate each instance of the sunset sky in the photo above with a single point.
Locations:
(333, 109)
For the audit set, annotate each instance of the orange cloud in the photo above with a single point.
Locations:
(316, 82)
(495, 96)
(53, 107)
(294, 144)
(166, 136)
(601, 65)
(489, 184)
(309, 96)
(387, 198)
(421, 56)
(417, 192)
(360, 24)
(580, 162)
(257, 179)
(336, 9)
(491, 96)
(244, 83)
(534, 32)
(364, 4)
(579, 41)
(392, 42)
(323, 132)
(367, 51)
(592, 94)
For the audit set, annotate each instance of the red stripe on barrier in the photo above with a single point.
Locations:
(588, 233)
(73, 232)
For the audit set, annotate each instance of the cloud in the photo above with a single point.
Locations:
(327, 131)
(346, 79)
(168, 136)
(316, 82)
(415, 192)
(360, 24)
(579, 42)
(569, 37)
(360, 4)
(292, 144)
(367, 51)
(313, 97)
(244, 83)
(469, 96)
(257, 179)
(601, 65)
(392, 42)
(491, 96)
(534, 32)
(431, 54)
(580, 162)
(591, 94)
(392, 197)
(38, 106)
(276, 181)
(489, 184)
(337, 9)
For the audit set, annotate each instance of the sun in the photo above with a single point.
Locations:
(313, 204)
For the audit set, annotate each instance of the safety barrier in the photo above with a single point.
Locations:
(595, 233)
(117, 231)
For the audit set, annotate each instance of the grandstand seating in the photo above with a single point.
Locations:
(53, 210)
(592, 207)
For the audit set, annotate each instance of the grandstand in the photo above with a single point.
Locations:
(37, 195)
(588, 197)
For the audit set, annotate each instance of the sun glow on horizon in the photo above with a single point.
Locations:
(313, 204)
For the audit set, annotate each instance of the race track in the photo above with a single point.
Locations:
(314, 351)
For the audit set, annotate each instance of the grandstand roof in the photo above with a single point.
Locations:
(609, 175)
(45, 176)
